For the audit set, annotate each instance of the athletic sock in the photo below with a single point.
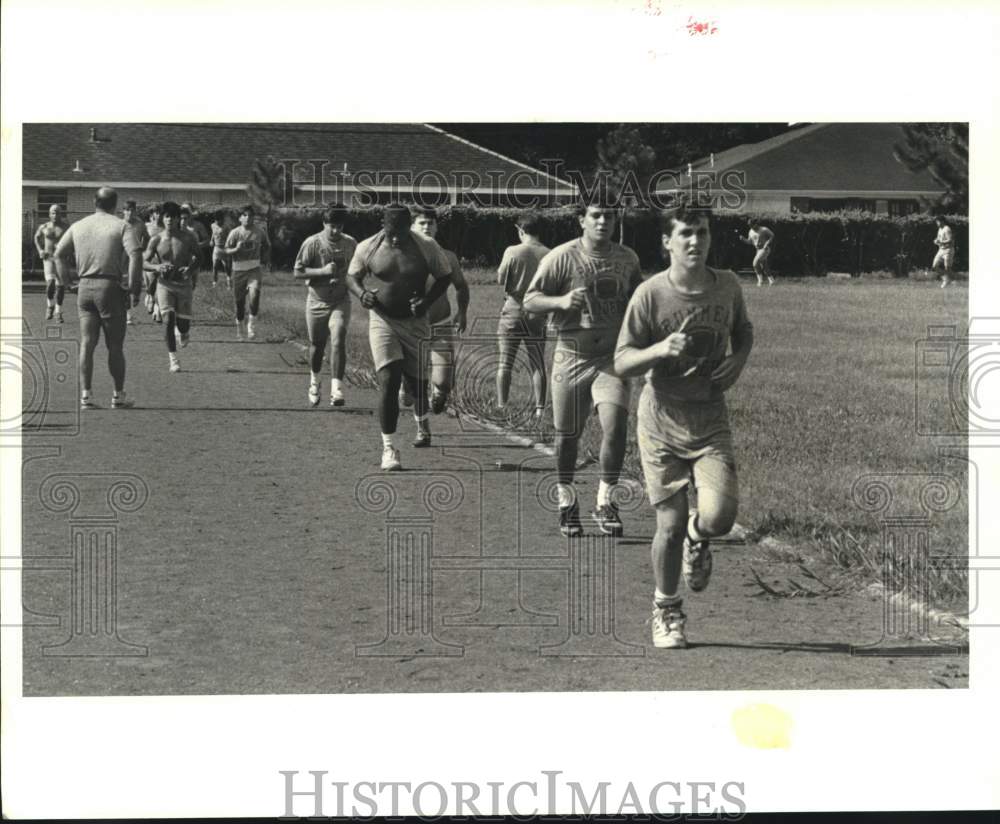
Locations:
(566, 495)
(314, 378)
(603, 493)
(387, 441)
(661, 600)
(335, 384)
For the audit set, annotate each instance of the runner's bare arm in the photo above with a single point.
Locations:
(40, 241)
(419, 306)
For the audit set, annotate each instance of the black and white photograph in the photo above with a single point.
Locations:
(535, 425)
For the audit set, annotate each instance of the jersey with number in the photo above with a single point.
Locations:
(316, 252)
(609, 278)
(709, 318)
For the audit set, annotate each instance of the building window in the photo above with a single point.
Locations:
(47, 198)
(901, 208)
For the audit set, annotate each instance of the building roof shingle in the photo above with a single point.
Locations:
(175, 153)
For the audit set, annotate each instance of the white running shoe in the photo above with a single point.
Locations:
(175, 364)
(251, 332)
(87, 402)
(390, 460)
(697, 564)
(336, 397)
(128, 318)
(668, 628)
(314, 394)
(121, 402)
(157, 314)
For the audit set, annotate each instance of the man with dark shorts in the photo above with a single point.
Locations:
(172, 257)
(517, 268)
(687, 330)
(130, 216)
(46, 239)
(444, 327)
(322, 262)
(587, 284)
(96, 245)
(400, 260)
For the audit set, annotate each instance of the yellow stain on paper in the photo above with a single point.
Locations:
(762, 726)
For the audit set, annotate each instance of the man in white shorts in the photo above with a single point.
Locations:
(587, 284)
(678, 330)
(944, 259)
(322, 262)
(46, 239)
(172, 258)
(400, 261)
(248, 247)
(444, 327)
(762, 239)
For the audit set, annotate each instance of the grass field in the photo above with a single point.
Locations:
(827, 397)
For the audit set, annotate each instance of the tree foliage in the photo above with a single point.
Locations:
(943, 150)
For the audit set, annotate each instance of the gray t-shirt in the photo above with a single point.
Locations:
(658, 309)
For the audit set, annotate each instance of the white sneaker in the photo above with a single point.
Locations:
(157, 315)
(336, 397)
(121, 402)
(87, 402)
(668, 628)
(390, 460)
(251, 333)
(175, 364)
(128, 318)
(239, 330)
(696, 564)
(314, 394)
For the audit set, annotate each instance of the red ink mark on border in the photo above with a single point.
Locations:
(653, 8)
(700, 27)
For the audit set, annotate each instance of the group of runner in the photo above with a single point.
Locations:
(685, 329)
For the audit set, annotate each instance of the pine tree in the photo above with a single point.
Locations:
(943, 150)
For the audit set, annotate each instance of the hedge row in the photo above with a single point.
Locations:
(805, 244)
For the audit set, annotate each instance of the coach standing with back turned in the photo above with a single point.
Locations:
(97, 244)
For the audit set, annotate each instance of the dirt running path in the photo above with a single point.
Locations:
(259, 562)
